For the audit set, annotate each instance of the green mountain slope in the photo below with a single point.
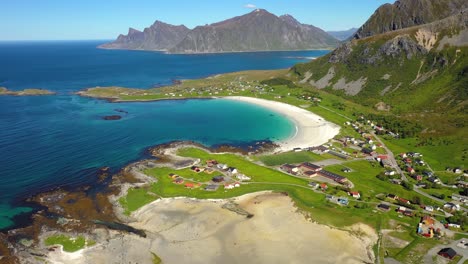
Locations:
(408, 13)
(422, 68)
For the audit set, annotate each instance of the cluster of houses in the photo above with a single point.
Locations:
(311, 170)
(227, 178)
(429, 227)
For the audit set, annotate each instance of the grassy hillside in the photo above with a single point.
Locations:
(419, 74)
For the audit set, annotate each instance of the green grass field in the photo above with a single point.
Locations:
(289, 157)
(70, 244)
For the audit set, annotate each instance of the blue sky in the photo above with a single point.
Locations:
(102, 19)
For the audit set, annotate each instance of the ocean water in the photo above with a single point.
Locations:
(52, 141)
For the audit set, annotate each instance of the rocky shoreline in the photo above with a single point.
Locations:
(25, 92)
(76, 211)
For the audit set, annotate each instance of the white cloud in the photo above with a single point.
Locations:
(251, 6)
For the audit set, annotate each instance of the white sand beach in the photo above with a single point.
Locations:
(311, 129)
(200, 231)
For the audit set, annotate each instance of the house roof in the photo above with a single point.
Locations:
(333, 176)
(310, 166)
(450, 252)
(384, 206)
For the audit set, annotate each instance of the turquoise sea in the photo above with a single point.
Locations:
(52, 141)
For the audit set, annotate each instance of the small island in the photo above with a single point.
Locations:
(25, 92)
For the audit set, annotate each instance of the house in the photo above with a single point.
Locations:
(292, 169)
(417, 177)
(390, 173)
(434, 180)
(427, 220)
(410, 170)
(448, 253)
(403, 201)
(333, 176)
(356, 195)
(319, 150)
(228, 186)
(173, 175)
(408, 161)
(382, 157)
(242, 177)
(392, 196)
(451, 207)
(310, 174)
(346, 170)
(178, 180)
(232, 170)
(457, 170)
(384, 207)
(218, 178)
(197, 169)
(429, 208)
(323, 186)
(454, 225)
(403, 155)
(367, 151)
(211, 187)
(237, 184)
(307, 166)
(297, 149)
(211, 163)
(222, 166)
(314, 185)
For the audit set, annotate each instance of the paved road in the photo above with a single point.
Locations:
(391, 157)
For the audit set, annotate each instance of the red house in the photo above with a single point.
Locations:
(417, 177)
(448, 253)
(410, 170)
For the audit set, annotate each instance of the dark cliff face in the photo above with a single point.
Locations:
(256, 31)
(408, 13)
(159, 36)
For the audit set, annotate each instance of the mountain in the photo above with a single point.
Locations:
(255, 31)
(408, 13)
(418, 69)
(159, 36)
(344, 34)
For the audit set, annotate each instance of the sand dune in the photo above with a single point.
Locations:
(200, 231)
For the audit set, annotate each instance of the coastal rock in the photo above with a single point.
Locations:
(25, 92)
(112, 117)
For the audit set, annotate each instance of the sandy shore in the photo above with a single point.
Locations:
(200, 231)
(311, 129)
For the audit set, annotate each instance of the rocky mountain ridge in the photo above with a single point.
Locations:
(258, 30)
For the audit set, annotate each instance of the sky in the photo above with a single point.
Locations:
(106, 19)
